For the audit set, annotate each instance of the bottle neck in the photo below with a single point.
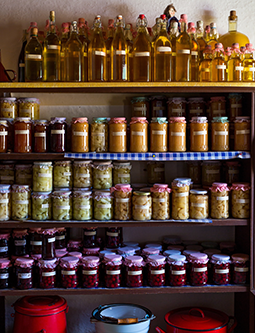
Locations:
(232, 25)
(128, 35)
(183, 26)
(110, 33)
(52, 29)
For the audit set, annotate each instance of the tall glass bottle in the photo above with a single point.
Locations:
(183, 53)
(235, 65)
(51, 53)
(213, 35)
(21, 60)
(219, 67)
(174, 33)
(155, 33)
(206, 65)
(194, 53)
(108, 44)
(73, 56)
(242, 51)
(207, 34)
(130, 45)
(200, 38)
(97, 53)
(83, 37)
(63, 40)
(142, 52)
(33, 58)
(156, 27)
(249, 64)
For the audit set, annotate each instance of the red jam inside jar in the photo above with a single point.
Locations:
(156, 270)
(134, 271)
(177, 272)
(199, 269)
(48, 243)
(4, 273)
(35, 241)
(22, 135)
(240, 268)
(90, 272)
(60, 236)
(41, 136)
(69, 272)
(58, 129)
(221, 268)
(113, 264)
(4, 244)
(20, 237)
(112, 238)
(89, 239)
(47, 273)
(24, 275)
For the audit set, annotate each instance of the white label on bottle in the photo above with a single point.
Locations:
(145, 207)
(142, 54)
(103, 176)
(83, 175)
(222, 271)
(119, 133)
(24, 275)
(112, 234)
(68, 174)
(6, 109)
(22, 132)
(33, 56)
(4, 276)
(100, 53)
(199, 269)
(21, 242)
(157, 272)
(123, 175)
(45, 206)
(122, 199)
(212, 172)
(4, 249)
(140, 108)
(4, 201)
(184, 194)
(53, 47)
(159, 132)
(80, 133)
(221, 66)
(164, 49)
(242, 201)
(195, 53)
(137, 133)
(7, 177)
(182, 272)
(36, 243)
(177, 134)
(113, 272)
(45, 175)
(159, 200)
(68, 272)
(60, 237)
(21, 65)
(22, 202)
(90, 233)
(222, 198)
(104, 206)
(40, 135)
(221, 132)
(200, 132)
(251, 69)
(3, 133)
(92, 272)
(241, 269)
(51, 240)
(98, 134)
(198, 111)
(235, 106)
(63, 207)
(178, 110)
(120, 52)
(193, 204)
(48, 273)
(158, 169)
(57, 131)
(233, 172)
(135, 272)
(185, 51)
(239, 68)
(243, 132)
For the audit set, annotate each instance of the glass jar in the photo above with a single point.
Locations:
(211, 172)
(62, 174)
(3, 136)
(126, 251)
(177, 134)
(60, 236)
(80, 135)
(5, 265)
(220, 134)
(23, 174)
(235, 106)
(90, 272)
(141, 206)
(219, 201)
(221, 268)
(22, 135)
(20, 242)
(177, 270)
(180, 198)
(118, 135)
(242, 133)
(41, 206)
(29, 107)
(112, 263)
(102, 175)
(69, 272)
(240, 203)
(195, 172)
(199, 204)
(62, 205)
(10, 136)
(228, 248)
(48, 243)
(4, 243)
(93, 251)
(156, 172)
(158, 106)
(217, 107)
(24, 273)
(199, 269)
(41, 136)
(156, 270)
(112, 237)
(160, 201)
(138, 135)
(7, 173)
(198, 134)
(147, 251)
(42, 176)
(134, 271)
(58, 130)
(82, 205)
(103, 205)
(232, 172)
(89, 237)
(240, 268)
(176, 107)
(21, 202)
(35, 241)
(47, 273)
(99, 135)
(5, 203)
(8, 107)
(196, 106)
(140, 107)
(74, 245)
(121, 173)
(158, 135)
(82, 174)
(122, 201)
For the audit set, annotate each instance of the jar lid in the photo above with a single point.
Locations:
(198, 120)
(112, 257)
(59, 253)
(150, 250)
(100, 120)
(80, 120)
(102, 163)
(157, 259)
(160, 120)
(75, 254)
(182, 182)
(126, 250)
(220, 120)
(227, 245)
(81, 192)
(189, 252)
(40, 194)
(36, 256)
(168, 253)
(134, 259)
(131, 244)
(5, 235)
(220, 257)
(242, 118)
(219, 187)
(70, 260)
(11, 99)
(154, 245)
(90, 260)
(198, 192)
(177, 120)
(27, 99)
(23, 166)
(43, 163)
(140, 193)
(48, 261)
(25, 119)
(103, 253)
(198, 256)
(139, 99)
(31, 230)
(40, 121)
(61, 193)
(209, 244)
(103, 193)
(241, 186)
(4, 187)
(4, 263)
(19, 231)
(17, 188)
(91, 250)
(240, 257)
(56, 119)
(138, 119)
(82, 162)
(177, 257)
(121, 187)
(3, 122)
(24, 261)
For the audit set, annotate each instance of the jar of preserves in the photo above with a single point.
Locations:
(134, 271)
(242, 133)
(5, 265)
(118, 135)
(82, 205)
(176, 107)
(232, 172)
(158, 134)
(48, 243)
(24, 273)
(221, 268)
(219, 201)
(102, 175)
(112, 237)
(177, 134)
(10, 136)
(240, 203)
(41, 206)
(177, 270)
(47, 273)
(62, 205)
(155, 172)
(5, 203)
(82, 174)
(160, 201)
(21, 202)
(141, 206)
(228, 248)
(138, 135)
(180, 198)
(195, 172)
(23, 174)
(196, 107)
(99, 135)
(199, 269)
(60, 242)
(20, 242)
(126, 251)
(93, 251)
(7, 173)
(121, 173)
(69, 272)
(8, 107)
(58, 130)
(29, 107)
(199, 204)
(217, 107)
(198, 134)
(35, 241)
(89, 237)
(41, 136)
(122, 201)
(211, 172)
(103, 205)
(140, 107)
(235, 106)
(90, 272)
(112, 263)
(22, 135)
(4, 243)
(62, 174)
(240, 268)
(80, 135)
(42, 176)
(220, 134)
(156, 270)
(148, 251)
(158, 106)
(3, 136)
(74, 245)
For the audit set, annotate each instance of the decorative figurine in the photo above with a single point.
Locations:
(170, 15)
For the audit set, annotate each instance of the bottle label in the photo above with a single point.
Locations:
(222, 271)
(60, 237)
(90, 233)
(119, 133)
(135, 272)
(142, 54)
(222, 198)
(21, 65)
(235, 106)
(51, 240)
(103, 176)
(53, 47)
(178, 111)
(20, 242)
(63, 207)
(243, 132)
(199, 132)
(68, 272)
(83, 175)
(4, 201)
(239, 68)
(164, 49)
(221, 132)
(4, 249)
(68, 174)
(44, 175)
(233, 172)
(4, 276)
(22, 202)
(104, 206)
(251, 69)
(197, 111)
(182, 272)
(40, 135)
(36, 243)
(159, 132)
(24, 275)
(177, 134)
(137, 133)
(145, 207)
(158, 200)
(185, 51)
(242, 201)
(112, 234)
(157, 272)
(194, 53)
(22, 132)
(98, 134)
(113, 272)
(100, 53)
(202, 205)
(221, 66)
(45, 206)
(199, 269)
(7, 177)
(92, 272)
(123, 175)
(3, 133)
(140, 108)
(241, 269)
(212, 172)
(80, 133)
(58, 131)
(34, 56)
(183, 194)
(120, 52)
(48, 273)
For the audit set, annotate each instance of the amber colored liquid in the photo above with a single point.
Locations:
(183, 58)
(219, 73)
(33, 60)
(162, 60)
(194, 61)
(142, 58)
(97, 58)
(73, 59)
(205, 70)
(108, 44)
(130, 60)
(119, 58)
(62, 59)
(202, 44)
(51, 58)
(173, 41)
(85, 42)
(249, 70)
(235, 70)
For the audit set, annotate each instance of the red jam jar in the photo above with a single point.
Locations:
(60, 238)
(134, 271)
(58, 129)
(156, 270)
(24, 269)
(126, 251)
(4, 244)
(41, 136)
(22, 135)
(112, 263)
(93, 251)
(48, 243)
(89, 239)
(199, 269)
(5, 264)
(47, 273)
(20, 242)
(228, 248)
(177, 273)
(90, 272)
(75, 254)
(69, 272)
(74, 245)
(147, 251)
(35, 271)
(240, 268)
(221, 268)
(112, 239)
(35, 241)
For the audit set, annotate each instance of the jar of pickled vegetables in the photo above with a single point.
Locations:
(35, 241)
(102, 175)
(89, 238)
(158, 106)
(41, 206)
(58, 130)
(235, 106)
(7, 173)
(4, 243)
(138, 135)
(21, 202)
(62, 205)
(112, 263)
(177, 134)
(24, 273)
(90, 272)
(177, 270)
(47, 273)
(180, 198)
(20, 242)
(80, 135)
(118, 135)
(5, 265)
(42, 176)
(219, 201)
(99, 135)
(3, 136)
(62, 174)
(160, 201)
(220, 134)
(199, 204)
(211, 172)
(122, 201)
(240, 268)
(217, 107)
(158, 134)
(69, 272)
(103, 205)
(176, 107)
(23, 174)
(156, 270)
(134, 271)
(29, 107)
(195, 172)
(242, 133)
(156, 172)
(141, 206)
(60, 238)
(8, 107)
(5, 203)
(48, 243)
(82, 205)
(22, 135)
(121, 173)
(199, 269)
(240, 203)
(198, 134)
(232, 173)
(140, 107)
(82, 174)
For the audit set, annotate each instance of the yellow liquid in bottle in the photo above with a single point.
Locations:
(162, 60)
(233, 37)
(51, 58)
(183, 58)
(142, 58)
(235, 70)
(173, 41)
(202, 44)
(119, 57)
(62, 59)
(85, 42)
(33, 61)
(249, 69)
(97, 58)
(205, 70)
(219, 73)
(73, 59)
(194, 61)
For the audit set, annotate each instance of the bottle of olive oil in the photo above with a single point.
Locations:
(21, 60)
(194, 62)
(130, 45)
(83, 37)
(205, 68)
(249, 64)
(235, 65)
(108, 44)
(64, 39)
(219, 67)
(174, 33)
(200, 38)
(33, 58)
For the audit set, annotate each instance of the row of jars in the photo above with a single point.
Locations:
(12, 107)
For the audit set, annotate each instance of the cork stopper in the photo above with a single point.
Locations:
(52, 15)
(232, 15)
(34, 31)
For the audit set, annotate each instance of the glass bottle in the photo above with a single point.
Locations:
(213, 35)
(33, 58)
(194, 53)
(200, 38)
(119, 53)
(249, 64)
(219, 67)
(174, 33)
(97, 53)
(206, 65)
(155, 33)
(142, 52)
(207, 34)
(64, 39)
(51, 53)
(21, 61)
(235, 65)
(83, 37)
(108, 44)
(130, 44)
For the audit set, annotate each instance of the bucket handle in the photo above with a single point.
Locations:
(234, 324)
(198, 310)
